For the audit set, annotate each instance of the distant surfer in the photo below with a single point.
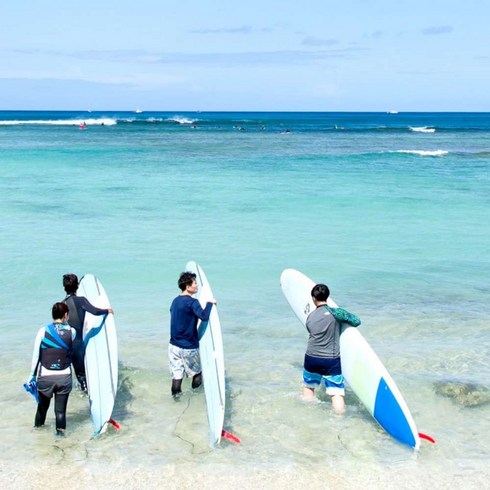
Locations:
(322, 358)
(183, 349)
(78, 306)
(51, 367)
(83, 125)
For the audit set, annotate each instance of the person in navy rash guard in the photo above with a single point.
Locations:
(183, 349)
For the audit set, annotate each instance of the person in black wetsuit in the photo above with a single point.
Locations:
(77, 306)
(51, 364)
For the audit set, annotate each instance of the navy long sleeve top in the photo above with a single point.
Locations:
(185, 312)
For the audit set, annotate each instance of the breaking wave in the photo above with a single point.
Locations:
(102, 121)
(424, 153)
(422, 129)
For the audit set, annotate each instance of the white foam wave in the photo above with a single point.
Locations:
(424, 153)
(181, 120)
(422, 129)
(106, 121)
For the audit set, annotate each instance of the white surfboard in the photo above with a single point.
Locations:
(361, 367)
(101, 361)
(212, 359)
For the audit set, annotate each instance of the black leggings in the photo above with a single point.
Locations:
(60, 403)
(78, 359)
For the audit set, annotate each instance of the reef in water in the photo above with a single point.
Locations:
(465, 394)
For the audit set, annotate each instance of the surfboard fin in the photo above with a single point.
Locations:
(114, 424)
(230, 437)
(427, 438)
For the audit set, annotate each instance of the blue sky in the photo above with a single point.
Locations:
(252, 55)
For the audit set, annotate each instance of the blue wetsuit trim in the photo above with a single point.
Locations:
(95, 330)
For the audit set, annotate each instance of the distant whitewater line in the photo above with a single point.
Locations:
(423, 153)
(106, 121)
(211, 122)
(181, 120)
(422, 129)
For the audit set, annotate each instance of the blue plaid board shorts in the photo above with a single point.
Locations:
(327, 370)
(183, 362)
(334, 385)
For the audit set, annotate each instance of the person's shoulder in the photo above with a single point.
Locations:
(186, 298)
(82, 301)
(183, 299)
(190, 300)
(318, 311)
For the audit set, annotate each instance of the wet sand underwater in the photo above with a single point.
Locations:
(285, 442)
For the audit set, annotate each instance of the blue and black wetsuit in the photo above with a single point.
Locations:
(51, 361)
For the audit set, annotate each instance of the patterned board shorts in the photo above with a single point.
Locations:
(183, 362)
(334, 383)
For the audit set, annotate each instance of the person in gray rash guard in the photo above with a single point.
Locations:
(77, 306)
(322, 358)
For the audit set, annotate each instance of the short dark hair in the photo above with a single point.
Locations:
(186, 279)
(59, 311)
(320, 292)
(70, 283)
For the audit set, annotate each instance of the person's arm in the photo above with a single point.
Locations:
(87, 306)
(202, 314)
(343, 316)
(35, 353)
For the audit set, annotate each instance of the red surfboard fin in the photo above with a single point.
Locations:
(427, 438)
(114, 424)
(230, 437)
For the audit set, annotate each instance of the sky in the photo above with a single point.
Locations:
(267, 55)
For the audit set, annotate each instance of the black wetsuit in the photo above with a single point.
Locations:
(77, 306)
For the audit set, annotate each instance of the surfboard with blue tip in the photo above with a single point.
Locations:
(361, 367)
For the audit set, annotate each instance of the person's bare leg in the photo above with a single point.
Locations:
(308, 393)
(338, 404)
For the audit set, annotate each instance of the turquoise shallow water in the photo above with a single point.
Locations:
(393, 217)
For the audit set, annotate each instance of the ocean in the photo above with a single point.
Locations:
(389, 209)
